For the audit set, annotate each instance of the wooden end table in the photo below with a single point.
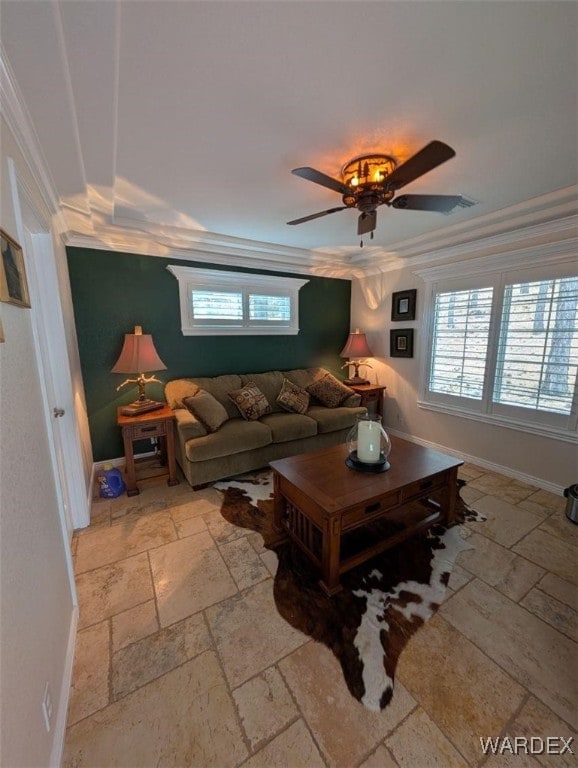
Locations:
(370, 393)
(319, 501)
(159, 423)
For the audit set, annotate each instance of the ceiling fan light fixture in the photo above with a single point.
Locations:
(367, 169)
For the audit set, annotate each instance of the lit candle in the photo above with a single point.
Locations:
(368, 442)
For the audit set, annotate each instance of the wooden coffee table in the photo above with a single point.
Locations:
(319, 501)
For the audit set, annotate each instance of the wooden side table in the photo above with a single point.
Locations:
(370, 393)
(159, 423)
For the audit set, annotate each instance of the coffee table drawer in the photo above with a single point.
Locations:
(370, 510)
(422, 487)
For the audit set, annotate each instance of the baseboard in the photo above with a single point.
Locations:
(558, 490)
(62, 713)
(118, 462)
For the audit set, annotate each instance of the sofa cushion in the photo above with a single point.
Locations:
(219, 387)
(293, 398)
(289, 426)
(177, 389)
(207, 409)
(235, 436)
(250, 401)
(303, 377)
(188, 425)
(333, 419)
(329, 391)
(269, 383)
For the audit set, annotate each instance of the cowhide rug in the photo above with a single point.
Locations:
(383, 603)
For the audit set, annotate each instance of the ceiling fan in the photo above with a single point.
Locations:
(373, 180)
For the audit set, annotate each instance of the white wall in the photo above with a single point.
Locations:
(548, 461)
(36, 596)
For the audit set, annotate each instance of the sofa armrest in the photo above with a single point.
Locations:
(187, 425)
(352, 401)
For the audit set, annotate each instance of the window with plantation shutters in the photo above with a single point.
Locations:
(216, 305)
(216, 302)
(502, 347)
(460, 342)
(537, 358)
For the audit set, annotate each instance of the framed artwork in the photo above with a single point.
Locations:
(13, 283)
(401, 343)
(403, 305)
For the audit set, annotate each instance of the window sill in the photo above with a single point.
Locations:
(236, 331)
(554, 433)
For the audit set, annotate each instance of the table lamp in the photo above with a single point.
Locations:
(356, 347)
(139, 356)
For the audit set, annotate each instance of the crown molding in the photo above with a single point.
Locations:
(561, 251)
(18, 118)
(549, 217)
(128, 236)
(252, 255)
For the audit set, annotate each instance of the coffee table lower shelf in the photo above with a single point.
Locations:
(312, 541)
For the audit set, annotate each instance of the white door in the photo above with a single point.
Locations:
(53, 362)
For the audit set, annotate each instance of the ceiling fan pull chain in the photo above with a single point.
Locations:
(361, 243)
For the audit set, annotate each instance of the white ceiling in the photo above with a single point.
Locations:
(184, 119)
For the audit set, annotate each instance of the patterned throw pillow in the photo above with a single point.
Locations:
(206, 409)
(329, 391)
(250, 401)
(293, 398)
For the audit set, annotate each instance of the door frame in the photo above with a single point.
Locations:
(52, 357)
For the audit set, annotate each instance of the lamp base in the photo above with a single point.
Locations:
(356, 380)
(141, 406)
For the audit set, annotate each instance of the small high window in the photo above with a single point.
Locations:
(216, 302)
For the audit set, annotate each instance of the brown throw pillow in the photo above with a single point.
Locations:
(293, 398)
(207, 409)
(250, 401)
(329, 391)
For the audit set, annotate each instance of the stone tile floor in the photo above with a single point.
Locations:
(182, 659)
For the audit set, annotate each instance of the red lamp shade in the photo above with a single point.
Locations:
(138, 354)
(356, 346)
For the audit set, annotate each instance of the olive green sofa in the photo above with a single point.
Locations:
(241, 445)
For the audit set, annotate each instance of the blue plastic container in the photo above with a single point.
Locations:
(110, 482)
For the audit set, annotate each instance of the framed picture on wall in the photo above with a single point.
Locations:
(401, 343)
(403, 305)
(13, 284)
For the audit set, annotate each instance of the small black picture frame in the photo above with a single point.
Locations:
(403, 305)
(401, 343)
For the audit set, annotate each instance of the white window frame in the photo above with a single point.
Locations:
(191, 278)
(546, 263)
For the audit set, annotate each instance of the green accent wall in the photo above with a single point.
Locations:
(112, 292)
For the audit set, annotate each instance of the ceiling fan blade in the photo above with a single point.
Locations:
(433, 154)
(317, 215)
(366, 222)
(440, 203)
(310, 174)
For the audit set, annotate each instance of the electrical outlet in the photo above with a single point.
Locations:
(47, 707)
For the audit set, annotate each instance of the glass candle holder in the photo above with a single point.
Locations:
(368, 444)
